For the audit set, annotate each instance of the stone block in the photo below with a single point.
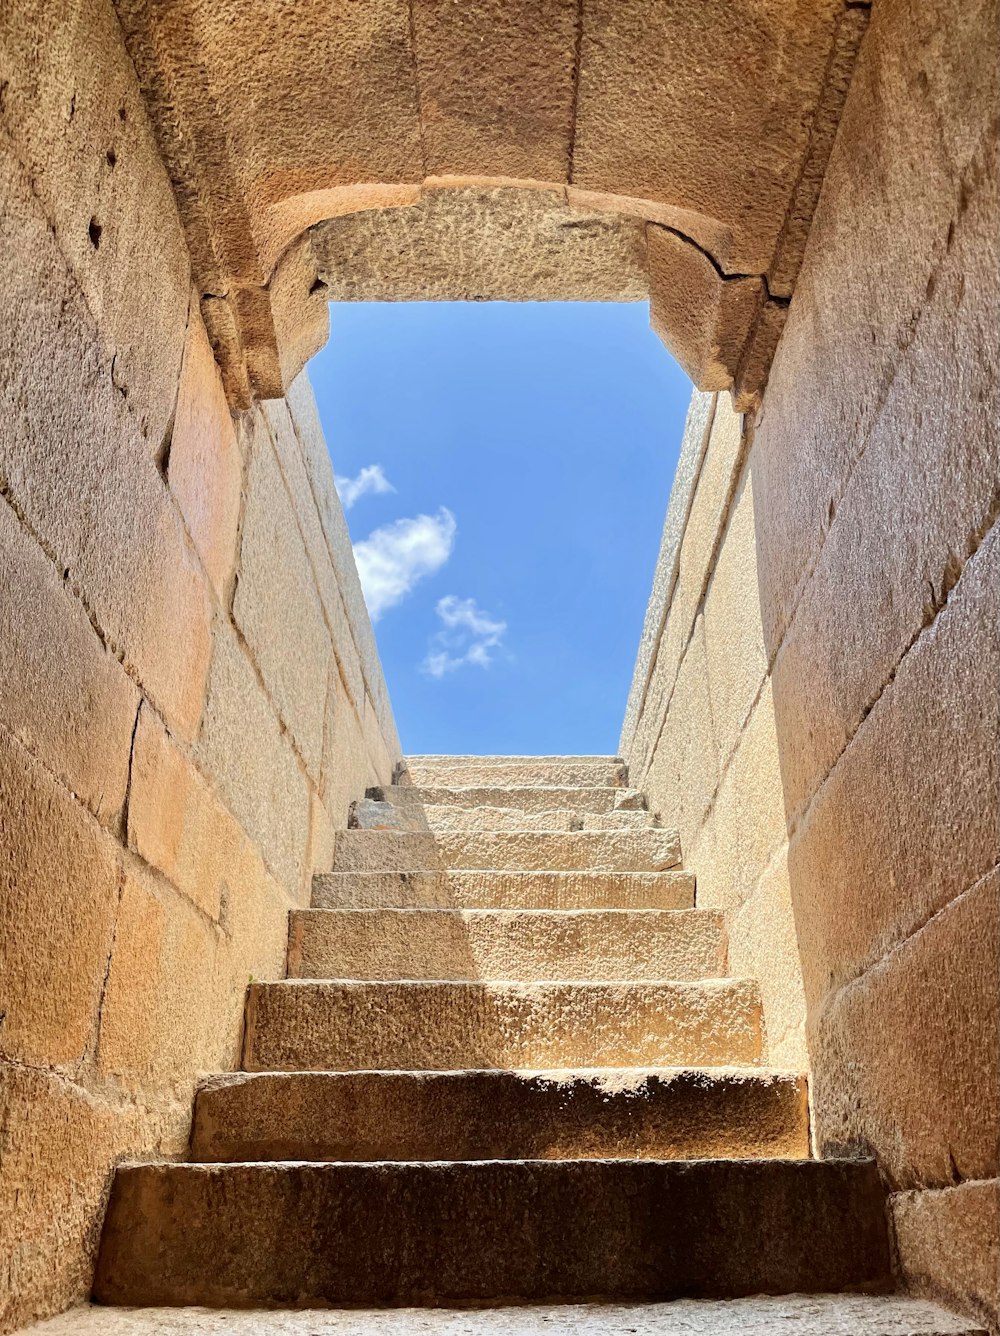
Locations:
(704, 319)
(277, 607)
(156, 1014)
(497, 87)
(891, 196)
(78, 471)
(917, 505)
(205, 469)
(79, 126)
(60, 879)
(345, 763)
(947, 1245)
(62, 694)
(905, 1058)
(641, 70)
(178, 825)
(243, 751)
(886, 841)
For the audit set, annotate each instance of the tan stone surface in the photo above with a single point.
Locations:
(796, 1314)
(277, 608)
(371, 815)
(887, 843)
(74, 464)
(243, 1233)
(205, 468)
(242, 750)
(497, 87)
(597, 1114)
(60, 893)
(73, 108)
(505, 944)
(484, 244)
(505, 890)
(892, 192)
(905, 1058)
(303, 1026)
(156, 1013)
(516, 799)
(948, 1245)
(597, 851)
(64, 697)
(599, 771)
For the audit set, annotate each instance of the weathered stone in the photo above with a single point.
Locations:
(597, 851)
(947, 1244)
(905, 1057)
(76, 468)
(515, 798)
(504, 890)
(60, 883)
(484, 245)
(205, 468)
(505, 944)
(303, 1026)
(439, 1233)
(64, 697)
(554, 1115)
(547, 771)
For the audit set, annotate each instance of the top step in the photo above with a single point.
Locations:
(529, 771)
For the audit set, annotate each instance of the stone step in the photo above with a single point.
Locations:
(298, 1025)
(598, 851)
(523, 798)
(504, 890)
(511, 1115)
(368, 814)
(758, 1315)
(488, 1231)
(516, 944)
(562, 771)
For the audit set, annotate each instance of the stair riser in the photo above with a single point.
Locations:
(466, 1233)
(371, 815)
(449, 944)
(517, 798)
(303, 1026)
(504, 890)
(501, 1116)
(611, 851)
(456, 772)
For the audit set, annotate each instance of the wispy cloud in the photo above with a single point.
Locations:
(370, 480)
(392, 559)
(468, 636)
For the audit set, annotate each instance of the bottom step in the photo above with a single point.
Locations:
(484, 1232)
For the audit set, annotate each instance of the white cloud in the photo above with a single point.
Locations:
(469, 636)
(392, 559)
(370, 479)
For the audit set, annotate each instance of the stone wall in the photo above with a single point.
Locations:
(189, 690)
(822, 705)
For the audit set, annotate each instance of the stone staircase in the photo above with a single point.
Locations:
(507, 1064)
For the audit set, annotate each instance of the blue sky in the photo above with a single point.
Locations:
(530, 450)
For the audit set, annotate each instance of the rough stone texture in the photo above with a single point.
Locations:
(504, 890)
(483, 245)
(62, 694)
(794, 1315)
(205, 467)
(598, 851)
(545, 771)
(303, 1026)
(959, 1226)
(439, 1233)
(638, 1114)
(505, 944)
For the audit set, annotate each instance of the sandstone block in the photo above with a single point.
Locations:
(520, 798)
(205, 469)
(904, 1058)
(556, 1115)
(304, 1026)
(597, 851)
(947, 1245)
(497, 87)
(504, 890)
(505, 944)
(75, 465)
(438, 1233)
(547, 771)
(60, 880)
(61, 693)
